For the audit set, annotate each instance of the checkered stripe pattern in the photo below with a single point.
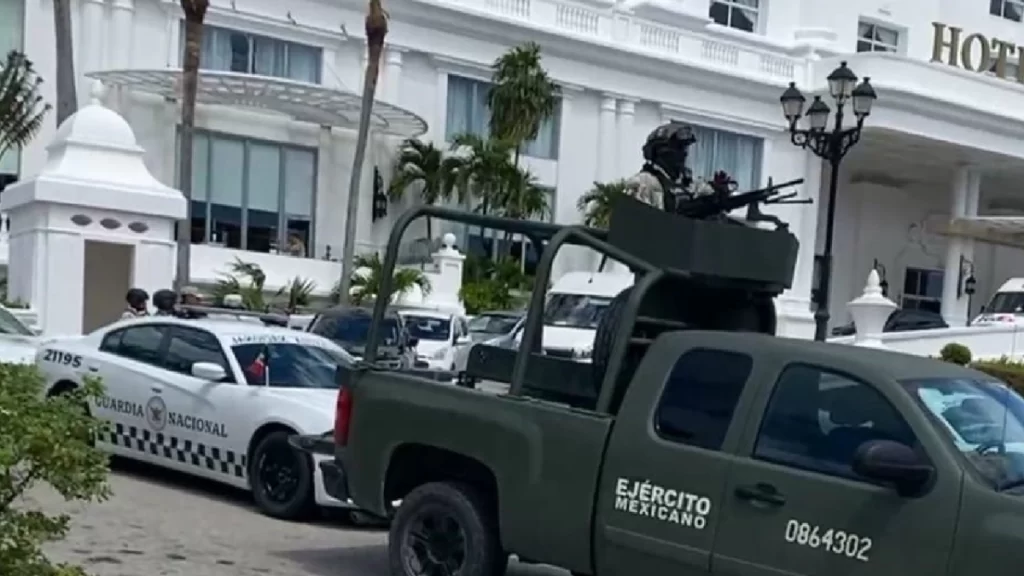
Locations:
(174, 448)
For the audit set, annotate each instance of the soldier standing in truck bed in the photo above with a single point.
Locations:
(664, 176)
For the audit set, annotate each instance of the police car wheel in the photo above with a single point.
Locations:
(445, 528)
(281, 478)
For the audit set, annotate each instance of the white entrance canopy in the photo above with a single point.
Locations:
(301, 101)
(1000, 230)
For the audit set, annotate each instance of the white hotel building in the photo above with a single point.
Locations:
(943, 145)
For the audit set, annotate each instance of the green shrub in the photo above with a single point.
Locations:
(43, 441)
(1005, 369)
(956, 353)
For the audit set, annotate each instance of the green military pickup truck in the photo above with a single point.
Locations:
(682, 450)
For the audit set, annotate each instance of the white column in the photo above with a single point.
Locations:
(93, 31)
(607, 141)
(120, 48)
(952, 312)
(392, 75)
(627, 153)
(326, 206)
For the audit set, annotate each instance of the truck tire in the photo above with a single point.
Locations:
(604, 339)
(445, 524)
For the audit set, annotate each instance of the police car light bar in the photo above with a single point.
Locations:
(264, 317)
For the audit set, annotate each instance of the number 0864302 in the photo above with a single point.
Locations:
(828, 539)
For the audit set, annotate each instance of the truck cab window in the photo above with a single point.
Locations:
(816, 420)
(700, 396)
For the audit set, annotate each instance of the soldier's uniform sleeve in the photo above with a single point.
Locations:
(645, 188)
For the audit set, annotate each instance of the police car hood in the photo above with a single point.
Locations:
(314, 407)
(18, 349)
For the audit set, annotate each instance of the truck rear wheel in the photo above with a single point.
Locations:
(445, 528)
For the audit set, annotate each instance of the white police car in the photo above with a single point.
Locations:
(211, 398)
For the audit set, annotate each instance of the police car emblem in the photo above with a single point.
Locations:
(156, 413)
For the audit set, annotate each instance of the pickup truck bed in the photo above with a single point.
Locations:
(548, 456)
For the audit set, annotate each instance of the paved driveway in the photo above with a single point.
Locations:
(161, 524)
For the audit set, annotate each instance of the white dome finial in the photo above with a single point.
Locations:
(874, 284)
(97, 92)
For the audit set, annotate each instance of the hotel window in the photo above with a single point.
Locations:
(253, 195)
(467, 112)
(922, 289)
(1009, 9)
(233, 51)
(875, 38)
(738, 154)
(739, 14)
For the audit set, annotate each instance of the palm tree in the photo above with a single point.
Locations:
(376, 29)
(195, 13)
(21, 107)
(425, 165)
(366, 286)
(67, 97)
(596, 203)
(521, 97)
(479, 166)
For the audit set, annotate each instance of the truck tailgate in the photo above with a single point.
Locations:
(546, 458)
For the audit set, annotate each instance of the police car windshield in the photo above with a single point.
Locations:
(428, 328)
(287, 365)
(1006, 303)
(575, 310)
(9, 324)
(983, 418)
(353, 328)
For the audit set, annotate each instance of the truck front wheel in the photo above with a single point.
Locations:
(445, 528)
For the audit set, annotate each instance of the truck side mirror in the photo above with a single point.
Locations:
(893, 463)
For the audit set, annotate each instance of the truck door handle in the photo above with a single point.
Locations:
(94, 368)
(761, 494)
(157, 389)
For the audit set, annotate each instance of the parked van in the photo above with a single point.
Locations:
(1005, 307)
(575, 305)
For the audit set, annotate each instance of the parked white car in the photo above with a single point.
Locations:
(439, 336)
(212, 398)
(18, 342)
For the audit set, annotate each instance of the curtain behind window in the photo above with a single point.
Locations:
(738, 154)
(304, 63)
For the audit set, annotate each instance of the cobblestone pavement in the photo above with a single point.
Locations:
(162, 524)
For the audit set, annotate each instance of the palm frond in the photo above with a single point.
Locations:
(522, 96)
(21, 106)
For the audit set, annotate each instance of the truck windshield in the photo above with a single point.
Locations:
(428, 327)
(983, 418)
(1006, 303)
(353, 329)
(575, 310)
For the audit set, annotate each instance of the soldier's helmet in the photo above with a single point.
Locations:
(164, 300)
(668, 141)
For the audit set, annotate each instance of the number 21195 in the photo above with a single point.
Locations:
(830, 539)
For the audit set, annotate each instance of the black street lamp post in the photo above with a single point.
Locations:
(831, 146)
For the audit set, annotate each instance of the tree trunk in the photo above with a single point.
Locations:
(67, 97)
(376, 30)
(195, 13)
